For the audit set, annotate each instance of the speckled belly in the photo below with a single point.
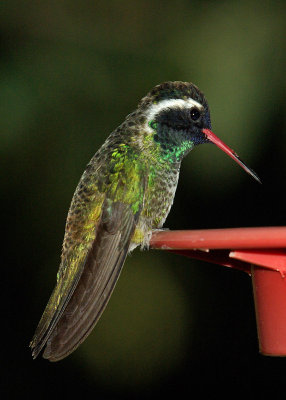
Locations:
(157, 203)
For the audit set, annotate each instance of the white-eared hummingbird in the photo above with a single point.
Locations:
(125, 192)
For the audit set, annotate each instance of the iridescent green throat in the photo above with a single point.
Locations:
(174, 144)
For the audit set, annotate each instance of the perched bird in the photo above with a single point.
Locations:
(125, 192)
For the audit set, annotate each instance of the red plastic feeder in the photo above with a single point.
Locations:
(261, 252)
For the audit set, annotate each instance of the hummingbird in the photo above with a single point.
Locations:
(125, 192)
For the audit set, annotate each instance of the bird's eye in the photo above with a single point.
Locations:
(195, 114)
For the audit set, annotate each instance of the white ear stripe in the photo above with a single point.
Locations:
(169, 103)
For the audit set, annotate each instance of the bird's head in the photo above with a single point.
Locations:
(177, 113)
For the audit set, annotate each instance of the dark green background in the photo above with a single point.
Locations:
(69, 73)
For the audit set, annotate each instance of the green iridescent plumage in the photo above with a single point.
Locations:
(125, 192)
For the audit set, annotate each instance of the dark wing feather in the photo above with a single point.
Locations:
(93, 290)
(83, 218)
(54, 309)
(100, 238)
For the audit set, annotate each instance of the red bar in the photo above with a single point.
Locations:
(232, 238)
(261, 251)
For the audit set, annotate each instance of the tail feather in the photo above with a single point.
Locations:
(87, 303)
(63, 328)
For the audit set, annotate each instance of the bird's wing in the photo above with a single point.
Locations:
(86, 283)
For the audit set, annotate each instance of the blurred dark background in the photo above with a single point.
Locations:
(70, 71)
